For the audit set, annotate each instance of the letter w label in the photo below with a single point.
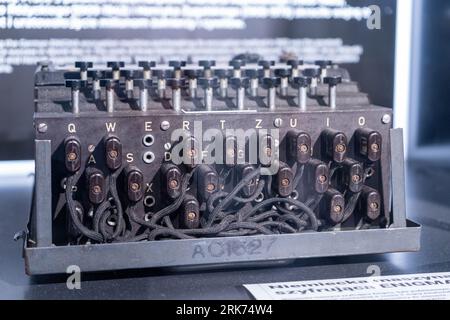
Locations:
(111, 126)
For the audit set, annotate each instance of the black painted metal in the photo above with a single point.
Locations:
(131, 125)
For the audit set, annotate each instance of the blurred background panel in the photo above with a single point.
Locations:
(430, 91)
(32, 31)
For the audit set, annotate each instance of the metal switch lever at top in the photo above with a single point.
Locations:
(323, 65)
(295, 64)
(208, 85)
(75, 85)
(314, 74)
(237, 65)
(143, 85)
(223, 75)
(332, 87)
(192, 75)
(147, 68)
(109, 85)
(271, 85)
(177, 65)
(266, 65)
(96, 75)
(301, 84)
(162, 75)
(115, 66)
(240, 84)
(83, 66)
(283, 74)
(253, 75)
(207, 65)
(129, 86)
(176, 84)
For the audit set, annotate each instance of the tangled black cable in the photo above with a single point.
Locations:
(229, 214)
(224, 214)
(105, 210)
(229, 198)
(70, 184)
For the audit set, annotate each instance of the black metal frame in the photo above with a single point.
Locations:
(43, 258)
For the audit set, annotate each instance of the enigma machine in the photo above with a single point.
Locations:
(173, 165)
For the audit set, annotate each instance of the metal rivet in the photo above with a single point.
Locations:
(191, 216)
(173, 184)
(96, 189)
(304, 148)
(375, 147)
(91, 148)
(165, 125)
(340, 148)
(386, 119)
(72, 156)
(278, 122)
(42, 127)
(135, 186)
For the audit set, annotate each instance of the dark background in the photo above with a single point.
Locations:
(432, 122)
(375, 72)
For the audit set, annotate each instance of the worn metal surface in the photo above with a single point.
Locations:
(427, 203)
(101, 257)
(42, 210)
(47, 249)
(130, 128)
(398, 178)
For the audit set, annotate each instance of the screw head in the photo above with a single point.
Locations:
(356, 178)
(374, 206)
(173, 184)
(191, 216)
(42, 127)
(303, 148)
(91, 148)
(340, 148)
(375, 147)
(72, 156)
(97, 189)
(167, 146)
(278, 122)
(386, 119)
(323, 179)
(285, 182)
(135, 186)
(337, 209)
(165, 125)
(210, 187)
